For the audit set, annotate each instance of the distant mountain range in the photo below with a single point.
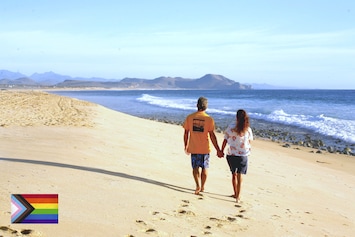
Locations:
(10, 79)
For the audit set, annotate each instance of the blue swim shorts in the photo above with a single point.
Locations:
(200, 160)
(238, 164)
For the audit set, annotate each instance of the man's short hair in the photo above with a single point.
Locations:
(202, 103)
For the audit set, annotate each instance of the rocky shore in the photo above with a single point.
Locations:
(289, 136)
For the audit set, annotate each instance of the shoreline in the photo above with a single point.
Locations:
(290, 136)
(281, 133)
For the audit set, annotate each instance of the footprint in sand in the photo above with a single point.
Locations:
(231, 219)
(241, 211)
(159, 216)
(26, 232)
(275, 217)
(140, 222)
(185, 203)
(184, 212)
(225, 221)
(7, 230)
(219, 221)
(239, 206)
(149, 230)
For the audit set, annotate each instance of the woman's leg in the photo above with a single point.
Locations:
(235, 185)
(238, 186)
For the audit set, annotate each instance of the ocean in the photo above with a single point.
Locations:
(295, 116)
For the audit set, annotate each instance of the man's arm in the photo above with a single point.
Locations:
(186, 139)
(215, 144)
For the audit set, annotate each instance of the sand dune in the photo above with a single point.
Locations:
(33, 108)
(118, 175)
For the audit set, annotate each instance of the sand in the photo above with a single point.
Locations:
(118, 175)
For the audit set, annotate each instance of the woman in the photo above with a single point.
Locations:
(238, 135)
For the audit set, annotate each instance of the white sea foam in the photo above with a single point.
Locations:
(184, 104)
(177, 103)
(334, 127)
(337, 128)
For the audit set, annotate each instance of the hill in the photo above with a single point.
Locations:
(51, 79)
(207, 82)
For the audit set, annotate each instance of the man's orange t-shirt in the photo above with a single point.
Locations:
(199, 124)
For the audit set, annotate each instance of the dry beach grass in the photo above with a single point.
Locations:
(118, 175)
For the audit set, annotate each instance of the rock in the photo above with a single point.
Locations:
(331, 149)
(347, 151)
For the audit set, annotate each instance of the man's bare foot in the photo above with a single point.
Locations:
(198, 190)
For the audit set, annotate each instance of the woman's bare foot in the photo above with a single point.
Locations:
(198, 190)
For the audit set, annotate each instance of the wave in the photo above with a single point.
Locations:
(178, 103)
(337, 128)
(333, 127)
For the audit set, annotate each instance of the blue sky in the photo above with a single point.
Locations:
(303, 43)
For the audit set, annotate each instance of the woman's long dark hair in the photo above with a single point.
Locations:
(242, 122)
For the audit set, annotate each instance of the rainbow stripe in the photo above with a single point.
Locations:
(34, 208)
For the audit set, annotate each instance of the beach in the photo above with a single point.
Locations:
(120, 175)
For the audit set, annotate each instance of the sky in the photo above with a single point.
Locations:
(301, 44)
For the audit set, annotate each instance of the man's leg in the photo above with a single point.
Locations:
(196, 175)
(203, 179)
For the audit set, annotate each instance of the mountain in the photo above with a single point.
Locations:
(51, 79)
(212, 81)
(23, 81)
(5, 74)
(207, 82)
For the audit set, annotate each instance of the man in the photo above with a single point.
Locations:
(198, 127)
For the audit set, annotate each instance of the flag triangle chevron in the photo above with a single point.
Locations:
(20, 208)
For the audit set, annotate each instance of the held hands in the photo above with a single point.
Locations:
(220, 153)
